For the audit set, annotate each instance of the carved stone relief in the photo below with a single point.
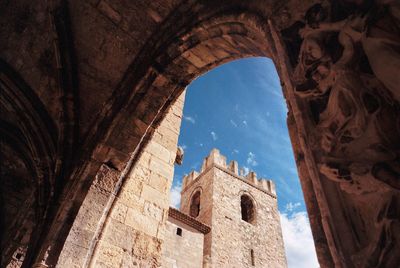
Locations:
(348, 72)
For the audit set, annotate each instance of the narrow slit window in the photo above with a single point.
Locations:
(253, 263)
(179, 231)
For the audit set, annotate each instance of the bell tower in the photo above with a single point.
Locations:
(241, 211)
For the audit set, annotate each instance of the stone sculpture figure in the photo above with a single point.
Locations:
(352, 117)
(358, 130)
(378, 31)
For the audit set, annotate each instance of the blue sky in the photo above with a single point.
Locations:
(239, 108)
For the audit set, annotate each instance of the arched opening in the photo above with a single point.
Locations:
(239, 109)
(18, 207)
(27, 160)
(347, 159)
(216, 41)
(195, 205)
(247, 209)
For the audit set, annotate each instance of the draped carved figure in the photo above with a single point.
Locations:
(357, 124)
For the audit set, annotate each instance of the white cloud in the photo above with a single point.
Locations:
(195, 165)
(214, 135)
(246, 171)
(292, 206)
(189, 119)
(175, 195)
(233, 123)
(251, 159)
(235, 151)
(184, 147)
(244, 122)
(299, 243)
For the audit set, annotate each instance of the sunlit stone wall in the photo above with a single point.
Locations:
(232, 241)
(132, 233)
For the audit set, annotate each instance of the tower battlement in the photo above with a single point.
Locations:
(216, 159)
(241, 210)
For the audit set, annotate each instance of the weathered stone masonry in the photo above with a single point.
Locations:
(233, 242)
(183, 241)
(127, 219)
(84, 85)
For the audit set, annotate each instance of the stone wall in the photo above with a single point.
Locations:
(125, 227)
(185, 251)
(231, 239)
(84, 83)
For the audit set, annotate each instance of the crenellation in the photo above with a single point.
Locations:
(252, 177)
(123, 63)
(241, 212)
(189, 178)
(234, 167)
(216, 159)
(271, 186)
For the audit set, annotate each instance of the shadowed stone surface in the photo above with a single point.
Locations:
(84, 85)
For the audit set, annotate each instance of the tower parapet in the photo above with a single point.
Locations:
(240, 209)
(216, 159)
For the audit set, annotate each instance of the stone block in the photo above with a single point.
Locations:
(118, 211)
(153, 211)
(120, 235)
(91, 210)
(147, 250)
(159, 183)
(106, 178)
(159, 151)
(131, 197)
(194, 59)
(109, 12)
(161, 168)
(80, 237)
(109, 255)
(138, 221)
(72, 255)
(152, 195)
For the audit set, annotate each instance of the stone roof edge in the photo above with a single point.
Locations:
(188, 220)
(230, 173)
(244, 180)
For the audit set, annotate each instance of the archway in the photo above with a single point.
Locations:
(195, 204)
(247, 209)
(238, 108)
(182, 40)
(191, 52)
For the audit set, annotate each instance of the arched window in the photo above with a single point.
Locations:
(247, 208)
(195, 205)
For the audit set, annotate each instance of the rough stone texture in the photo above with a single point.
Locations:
(85, 83)
(231, 239)
(133, 230)
(185, 251)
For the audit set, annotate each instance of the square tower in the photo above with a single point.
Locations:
(241, 211)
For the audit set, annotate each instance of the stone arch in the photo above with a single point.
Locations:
(158, 75)
(248, 209)
(195, 203)
(168, 67)
(191, 37)
(30, 146)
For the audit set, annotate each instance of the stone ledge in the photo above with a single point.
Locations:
(186, 219)
(230, 173)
